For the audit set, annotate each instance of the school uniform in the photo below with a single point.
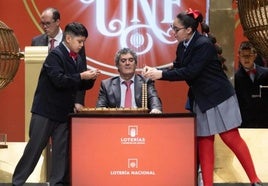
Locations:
(199, 66)
(54, 99)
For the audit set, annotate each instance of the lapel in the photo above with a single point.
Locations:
(116, 91)
(138, 87)
(181, 51)
(244, 74)
(44, 40)
(193, 41)
(139, 80)
(259, 73)
(189, 48)
(69, 60)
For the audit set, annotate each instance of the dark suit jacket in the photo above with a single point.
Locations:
(58, 83)
(254, 110)
(110, 96)
(42, 40)
(200, 67)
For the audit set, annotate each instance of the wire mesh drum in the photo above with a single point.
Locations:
(9, 55)
(254, 20)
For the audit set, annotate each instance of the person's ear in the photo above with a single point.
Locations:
(58, 22)
(68, 38)
(255, 56)
(189, 30)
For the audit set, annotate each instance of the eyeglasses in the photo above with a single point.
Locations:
(249, 56)
(47, 24)
(176, 29)
(123, 60)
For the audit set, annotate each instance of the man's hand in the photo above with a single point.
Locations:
(155, 111)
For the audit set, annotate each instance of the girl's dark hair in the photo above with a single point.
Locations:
(206, 31)
(190, 18)
(205, 28)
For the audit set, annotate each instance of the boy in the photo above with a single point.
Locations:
(248, 79)
(61, 76)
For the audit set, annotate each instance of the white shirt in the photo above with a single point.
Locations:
(58, 39)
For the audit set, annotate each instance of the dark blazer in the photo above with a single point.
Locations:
(42, 40)
(254, 110)
(200, 67)
(110, 96)
(58, 83)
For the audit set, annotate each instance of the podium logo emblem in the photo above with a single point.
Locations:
(133, 136)
(132, 163)
(133, 130)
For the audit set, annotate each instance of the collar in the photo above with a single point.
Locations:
(122, 80)
(71, 53)
(58, 37)
(253, 69)
(186, 43)
(66, 47)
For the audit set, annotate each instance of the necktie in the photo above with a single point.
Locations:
(52, 43)
(128, 95)
(252, 71)
(251, 74)
(73, 55)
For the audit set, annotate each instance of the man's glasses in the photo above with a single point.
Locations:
(250, 56)
(47, 24)
(176, 29)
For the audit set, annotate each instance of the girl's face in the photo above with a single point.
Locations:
(179, 31)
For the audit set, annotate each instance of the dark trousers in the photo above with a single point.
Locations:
(41, 129)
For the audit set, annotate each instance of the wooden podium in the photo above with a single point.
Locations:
(133, 149)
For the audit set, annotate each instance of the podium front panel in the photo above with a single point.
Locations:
(133, 151)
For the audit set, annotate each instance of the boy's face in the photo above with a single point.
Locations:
(247, 58)
(75, 43)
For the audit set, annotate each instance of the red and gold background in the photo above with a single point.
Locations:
(141, 25)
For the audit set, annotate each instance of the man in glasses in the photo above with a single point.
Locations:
(50, 23)
(125, 90)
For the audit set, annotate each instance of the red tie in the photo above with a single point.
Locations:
(73, 55)
(52, 43)
(251, 74)
(252, 71)
(128, 98)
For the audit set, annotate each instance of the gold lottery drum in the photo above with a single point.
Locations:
(9, 55)
(254, 20)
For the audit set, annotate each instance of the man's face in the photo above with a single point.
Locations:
(50, 26)
(246, 58)
(126, 65)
